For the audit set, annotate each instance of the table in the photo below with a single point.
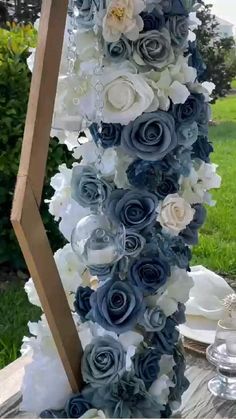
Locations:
(197, 400)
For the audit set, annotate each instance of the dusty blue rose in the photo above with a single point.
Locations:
(134, 209)
(149, 274)
(202, 149)
(189, 111)
(103, 361)
(190, 234)
(117, 306)
(150, 137)
(134, 243)
(146, 365)
(87, 11)
(87, 188)
(166, 339)
(51, 413)
(120, 50)
(82, 301)
(77, 405)
(126, 398)
(154, 319)
(181, 7)
(152, 20)
(108, 137)
(153, 49)
(178, 27)
(204, 118)
(187, 134)
(183, 155)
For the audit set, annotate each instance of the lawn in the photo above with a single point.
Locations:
(216, 249)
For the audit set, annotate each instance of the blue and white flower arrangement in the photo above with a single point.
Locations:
(143, 163)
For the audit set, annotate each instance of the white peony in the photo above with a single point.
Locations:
(122, 17)
(174, 214)
(37, 393)
(195, 187)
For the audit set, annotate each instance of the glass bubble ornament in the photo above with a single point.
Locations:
(222, 353)
(98, 242)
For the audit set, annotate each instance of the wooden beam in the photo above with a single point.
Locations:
(25, 217)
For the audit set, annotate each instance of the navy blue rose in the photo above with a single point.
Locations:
(195, 60)
(202, 149)
(189, 111)
(82, 301)
(76, 406)
(146, 365)
(150, 137)
(120, 50)
(179, 315)
(180, 381)
(152, 21)
(51, 413)
(109, 136)
(166, 339)
(149, 274)
(117, 306)
(87, 188)
(178, 28)
(126, 398)
(134, 209)
(190, 234)
(134, 243)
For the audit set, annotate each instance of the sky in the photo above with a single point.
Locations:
(226, 9)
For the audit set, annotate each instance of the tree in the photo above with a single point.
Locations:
(219, 55)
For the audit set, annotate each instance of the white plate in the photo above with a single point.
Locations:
(199, 329)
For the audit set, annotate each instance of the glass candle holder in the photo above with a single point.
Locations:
(222, 354)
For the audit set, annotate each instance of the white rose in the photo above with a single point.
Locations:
(175, 214)
(125, 96)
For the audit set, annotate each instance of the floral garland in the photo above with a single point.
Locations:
(143, 166)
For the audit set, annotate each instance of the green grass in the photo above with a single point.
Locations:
(233, 84)
(217, 246)
(15, 312)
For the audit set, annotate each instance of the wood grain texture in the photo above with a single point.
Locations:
(197, 401)
(25, 216)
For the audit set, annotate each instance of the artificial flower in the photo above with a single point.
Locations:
(120, 50)
(175, 214)
(146, 365)
(154, 319)
(82, 301)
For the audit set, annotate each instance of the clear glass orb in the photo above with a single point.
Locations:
(98, 242)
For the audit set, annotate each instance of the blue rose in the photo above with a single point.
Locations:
(166, 339)
(117, 306)
(134, 243)
(152, 21)
(146, 365)
(202, 149)
(87, 188)
(103, 272)
(195, 60)
(150, 137)
(181, 7)
(134, 209)
(179, 315)
(180, 381)
(189, 111)
(108, 137)
(204, 118)
(183, 155)
(126, 398)
(154, 319)
(187, 134)
(51, 413)
(82, 301)
(149, 274)
(76, 406)
(103, 361)
(120, 50)
(178, 27)
(87, 12)
(190, 234)
(153, 49)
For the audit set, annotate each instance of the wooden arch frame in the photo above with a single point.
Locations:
(25, 216)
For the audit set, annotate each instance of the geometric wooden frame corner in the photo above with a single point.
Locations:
(25, 217)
